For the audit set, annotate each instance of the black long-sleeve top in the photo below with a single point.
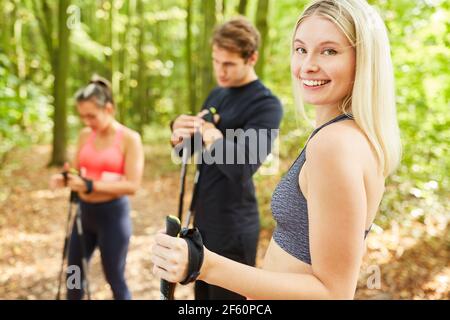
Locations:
(226, 199)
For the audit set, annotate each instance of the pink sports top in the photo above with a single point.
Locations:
(106, 164)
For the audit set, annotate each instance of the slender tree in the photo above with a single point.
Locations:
(242, 7)
(58, 48)
(209, 21)
(190, 76)
(224, 7)
(262, 12)
(140, 102)
(115, 57)
(21, 88)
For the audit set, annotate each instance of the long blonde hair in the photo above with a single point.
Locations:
(372, 100)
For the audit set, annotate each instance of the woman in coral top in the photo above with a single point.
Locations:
(110, 160)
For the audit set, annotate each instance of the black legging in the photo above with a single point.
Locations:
(107, 225)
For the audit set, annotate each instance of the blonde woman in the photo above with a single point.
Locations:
(325, 205)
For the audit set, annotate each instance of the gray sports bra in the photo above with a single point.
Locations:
(290, 210)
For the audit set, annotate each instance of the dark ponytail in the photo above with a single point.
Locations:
(98, 90)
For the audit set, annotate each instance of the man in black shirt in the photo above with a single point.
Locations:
(235, 145)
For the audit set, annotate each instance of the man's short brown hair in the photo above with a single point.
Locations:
(237, 35)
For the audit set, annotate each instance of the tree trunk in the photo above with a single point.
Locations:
(262, 12)
(140, 99)
(44, 17)
(190, 77)
(242, 7)
(60, 94)
(21, 66)
(115, 59)
(206, 74)
(126, 60)
(224, 7)
(5, 22)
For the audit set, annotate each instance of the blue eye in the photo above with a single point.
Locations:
(330, 52)
(300, 50)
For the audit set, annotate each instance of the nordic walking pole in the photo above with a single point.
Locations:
(84, 263)
(173, 225)
(72, 200)
(193, 199)
(167, 289)
(209, 117)
(182, 181)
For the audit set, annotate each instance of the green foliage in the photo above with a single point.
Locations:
(24, 111)
(420, 51)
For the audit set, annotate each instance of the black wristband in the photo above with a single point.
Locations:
(209, 117)
(195, 253)
(89, 185)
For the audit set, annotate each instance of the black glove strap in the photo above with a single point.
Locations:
(65, 175)
(89, 185)
(195, 253)
(73, 195)
(209, 117)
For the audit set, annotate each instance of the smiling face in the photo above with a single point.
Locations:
(323, 61)
(230, 69)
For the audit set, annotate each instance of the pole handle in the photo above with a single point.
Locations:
(173, 227)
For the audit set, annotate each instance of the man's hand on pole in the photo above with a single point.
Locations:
(184, 127)
(210, 134)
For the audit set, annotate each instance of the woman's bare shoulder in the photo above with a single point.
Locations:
(131, 137)
(342, 139)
